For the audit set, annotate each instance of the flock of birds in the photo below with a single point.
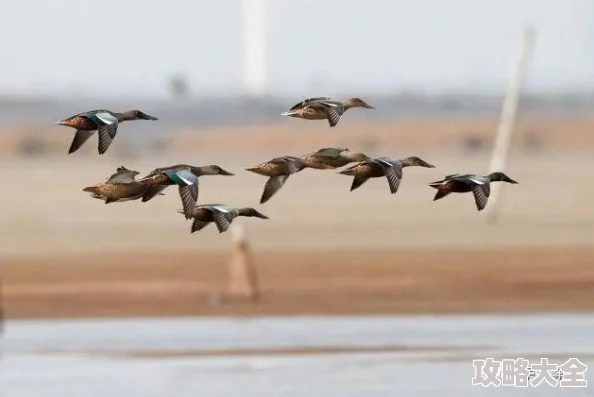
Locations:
(123, 186)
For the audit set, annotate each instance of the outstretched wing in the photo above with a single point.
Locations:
(152, 191)
(221, 220)
(273, 185)
(329, 152)
(107, 126)
(123, 175)
(80, 137)
(188, 189)
(394, 176)
(481, 195)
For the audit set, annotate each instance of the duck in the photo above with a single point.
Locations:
(278, 170)
(222, 215)
(104, 121)
(154, 190)
(119, 187)
(380, 167)
(324, 108)
(183, 177)
(479, 185)
(332, 158)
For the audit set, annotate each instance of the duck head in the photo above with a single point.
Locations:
(416, 161)
(136, 115)
(500, 177)
(251, 212)
(356, 102)
(212, 170)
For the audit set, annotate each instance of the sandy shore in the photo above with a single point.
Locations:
(295, 283)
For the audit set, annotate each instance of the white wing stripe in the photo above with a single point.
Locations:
(106, 118)
(477, 181)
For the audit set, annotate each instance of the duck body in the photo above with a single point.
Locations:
(220, 214)
(332, 158)
(479, 185)
(382, 167)
(119, 187)
(324, 108)
(278, 171)
(104, 121)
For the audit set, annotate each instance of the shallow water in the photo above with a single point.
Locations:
(54, 358)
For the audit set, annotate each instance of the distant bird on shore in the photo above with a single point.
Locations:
(479, 185)
(119, 187)
(278, 170)
(331, 158)
(104, 121)
(380, 167)
(324, 108)
(183, 177)
(152, 191)
(222, 215)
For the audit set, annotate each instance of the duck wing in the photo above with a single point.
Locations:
(273, 185)
(123, 175)
(107, 126)
(309, 101)
(328, 152)
(394, 176)
(481, 195)
(188, 189)
(152, 191)
(80, 137)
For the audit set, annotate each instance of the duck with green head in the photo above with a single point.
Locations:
(278, 170)
(382, 167)
(479, 185)
(332, 158)
(324, 108)
(104, 121)
(222, 215)
(196, 170)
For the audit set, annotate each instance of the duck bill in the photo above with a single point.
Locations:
(227, 173)
(148, 117)
(260, 215)
(512, 181)
(427, 165)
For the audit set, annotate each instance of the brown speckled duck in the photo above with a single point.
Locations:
(222, 215)
(324, 108)
(380, 167)
(119, 187)
(332, 158)
(278, 170)
(104, 121)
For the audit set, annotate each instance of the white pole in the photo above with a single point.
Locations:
(254, 46)
(507, 119)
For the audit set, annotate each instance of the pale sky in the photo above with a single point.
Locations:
(119, 47)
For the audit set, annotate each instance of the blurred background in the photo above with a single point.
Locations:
(339, 293)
